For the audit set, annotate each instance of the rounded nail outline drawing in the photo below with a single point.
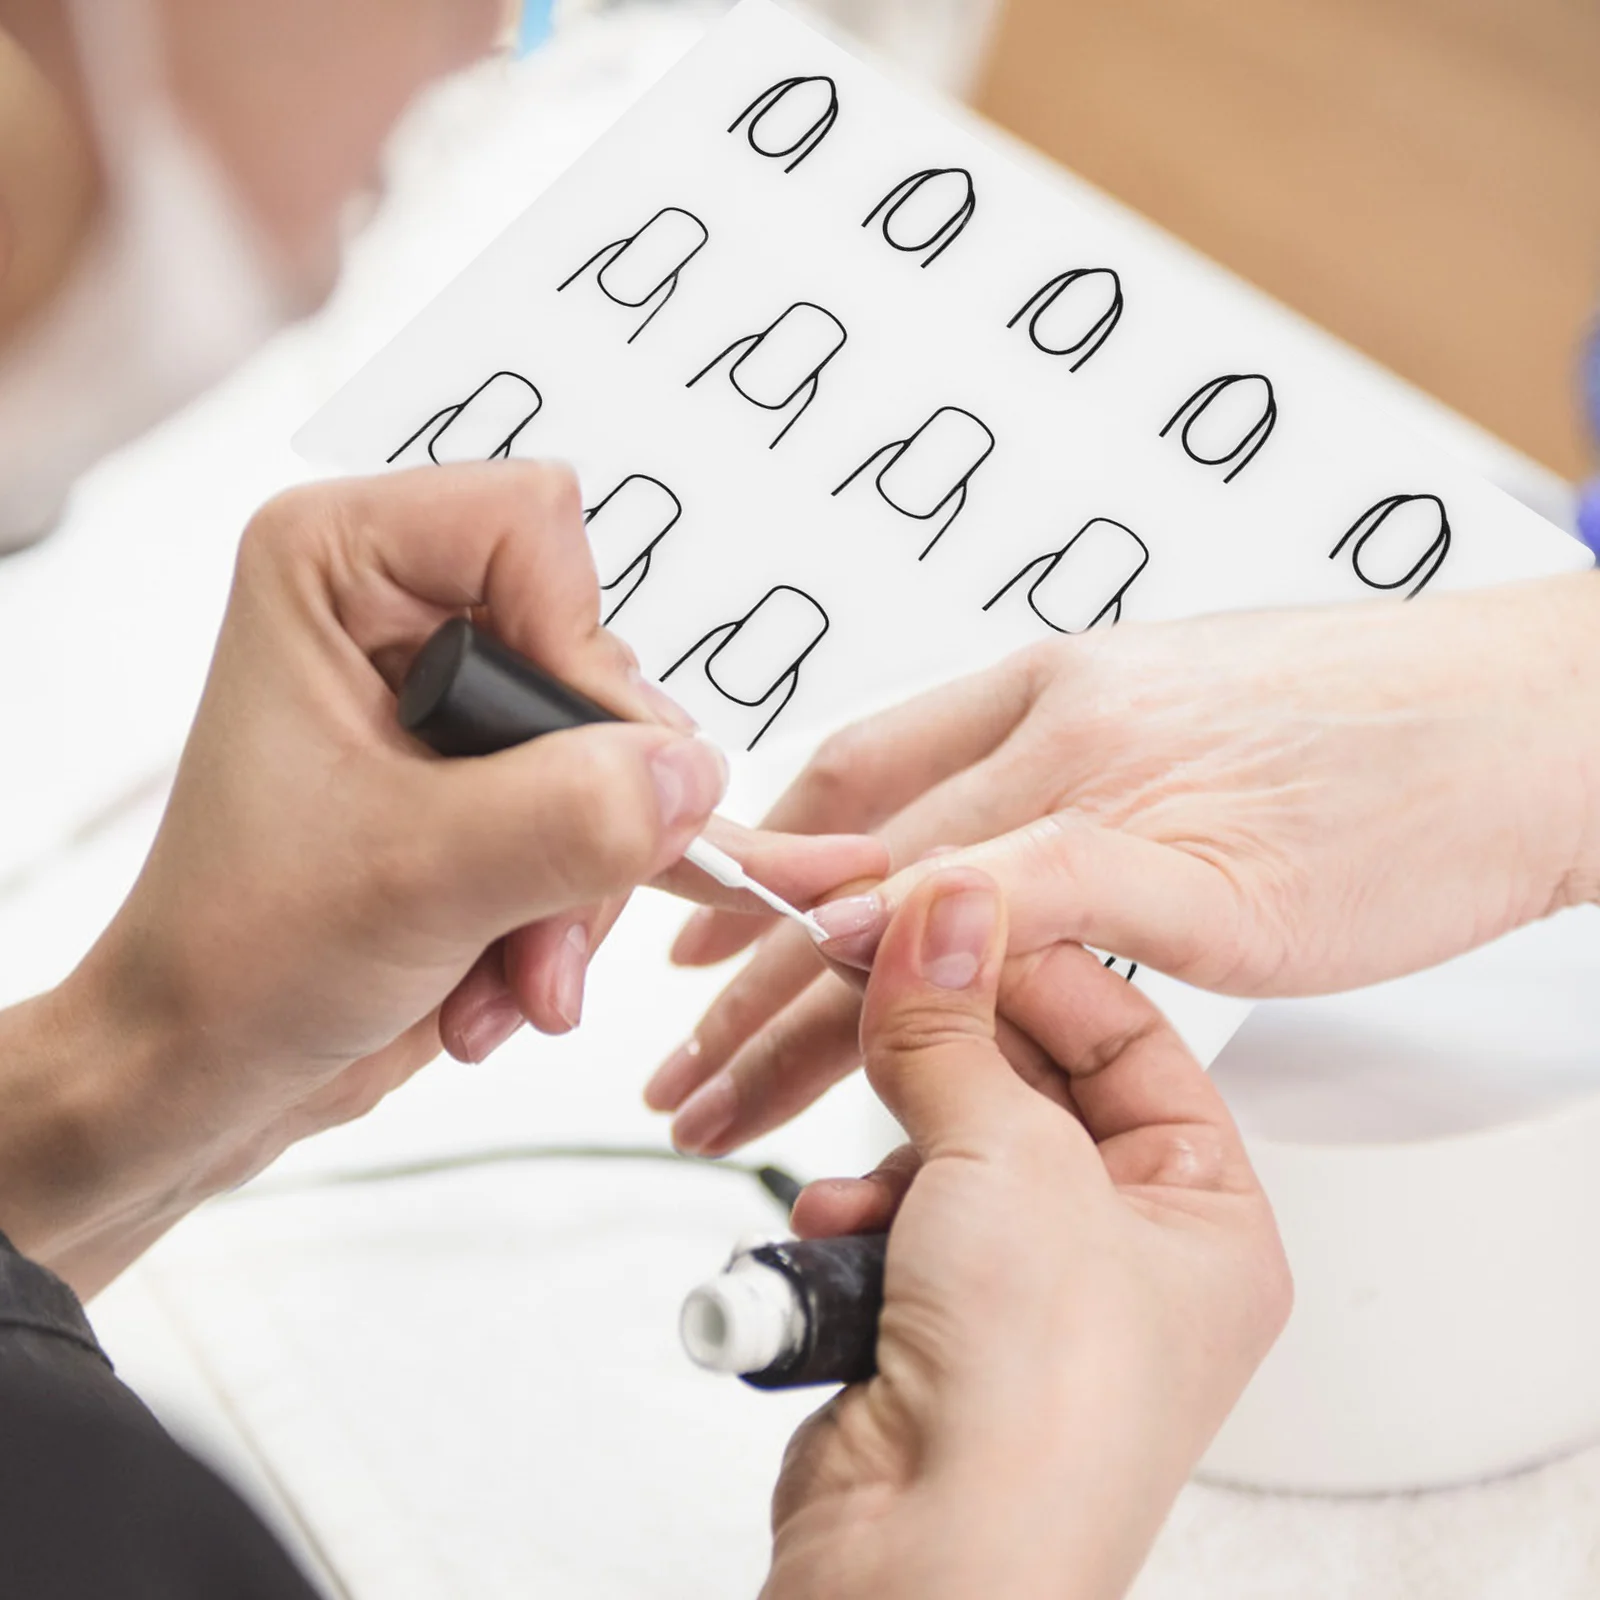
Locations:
(768, 101)
(1373, 518)
(1051, 559)
(946, 233)
(441, 420)
(1095, 338)
(614, 251)
(750, 343)
(790, 675)
(639, 567)
(1198, 403)
(897, 448)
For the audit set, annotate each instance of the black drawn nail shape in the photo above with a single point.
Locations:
(1083, 582)
(634, 518)
(1245, 398)
(645, 266)
(783, 361)
(799, 110)
(930, 472)
(1074, 313)
(483, 427)
(942, 202)
(1429, 527)
(759, 655)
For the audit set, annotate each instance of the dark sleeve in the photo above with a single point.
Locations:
(96, 1500)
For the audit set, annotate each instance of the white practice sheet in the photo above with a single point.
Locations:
(863, 396)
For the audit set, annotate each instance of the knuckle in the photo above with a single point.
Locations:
(836, 769)
(912, 1033)
(550, 489)
(289, 521)
(611, 809)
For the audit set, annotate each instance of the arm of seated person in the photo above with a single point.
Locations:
(327, 904)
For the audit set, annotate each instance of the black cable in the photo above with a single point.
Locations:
(782, 1186)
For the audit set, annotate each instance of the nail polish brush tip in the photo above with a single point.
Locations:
(721, 866)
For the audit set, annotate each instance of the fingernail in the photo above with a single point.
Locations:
(853, 928)
(661, 703)
(571, 965)
(691, 936)
(490, 1029)
(956, 935)
(670, 1084)
(706, 1115)
(691, 777)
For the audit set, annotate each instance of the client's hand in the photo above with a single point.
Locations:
(1281, 803)
(327, 901)
(1082, 1275)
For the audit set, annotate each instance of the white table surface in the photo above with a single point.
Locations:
(470, 1384)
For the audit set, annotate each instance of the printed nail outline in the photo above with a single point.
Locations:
(641, 562)
(790, 675)
(1051, 559)
(613, 251)
(768, 99)
(445, 417)
(897, 448)
(1052, 291)
(1374, 518)
(947, 232)
(750, 343)
(1201, 399)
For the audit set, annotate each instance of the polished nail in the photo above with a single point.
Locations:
(571, 966)
(853, 928)
(674, 1078)
(706, 1116)
(691, 776)
(661, 704)
(483, 1034)
(956, 935)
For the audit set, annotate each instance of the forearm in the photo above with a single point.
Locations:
(93, 1163)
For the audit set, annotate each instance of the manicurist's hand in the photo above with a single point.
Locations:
(1082, 1275)
(1279, 803)
(327, 903)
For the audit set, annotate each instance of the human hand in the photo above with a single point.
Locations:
(326, 901)
(1282, 803)
(1082, 1275)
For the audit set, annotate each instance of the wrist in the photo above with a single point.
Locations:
(1569, 685)
(87, 1133)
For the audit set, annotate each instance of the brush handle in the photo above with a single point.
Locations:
(469, 695)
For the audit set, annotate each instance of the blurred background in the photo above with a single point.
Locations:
(1421, 177)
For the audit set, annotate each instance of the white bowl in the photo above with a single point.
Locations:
(1432, 1147)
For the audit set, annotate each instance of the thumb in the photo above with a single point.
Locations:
(928, 1021)
(565, 821)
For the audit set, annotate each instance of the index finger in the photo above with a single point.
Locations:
(1129, 1071)
(401, 553)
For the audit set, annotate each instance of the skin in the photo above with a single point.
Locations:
(1044, 1389)
(327, 904)
(207, 1031)
(1284, 803)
